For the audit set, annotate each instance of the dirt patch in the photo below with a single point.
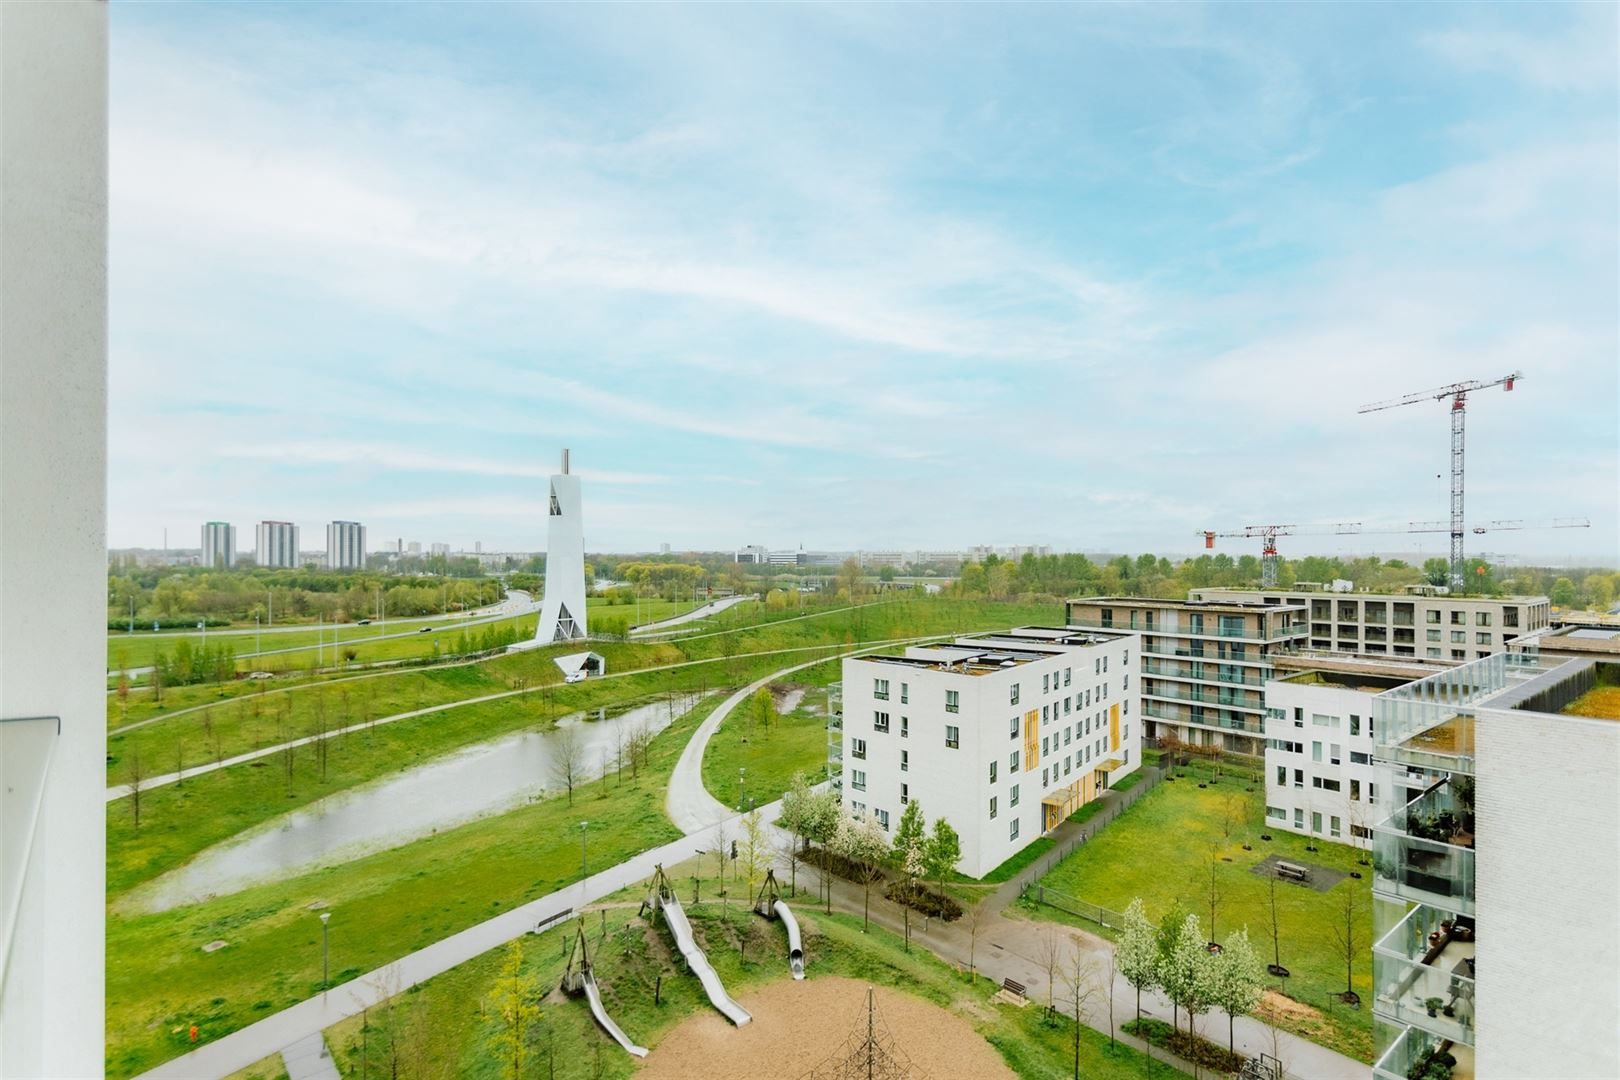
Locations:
(798, 1025)
(1276, 1008)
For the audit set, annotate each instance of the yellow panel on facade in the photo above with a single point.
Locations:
(1113, 728)
(1032, 739)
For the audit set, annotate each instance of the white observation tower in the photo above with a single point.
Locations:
(562, 612)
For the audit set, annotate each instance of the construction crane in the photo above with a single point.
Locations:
(1458, 393)
(1267, 534)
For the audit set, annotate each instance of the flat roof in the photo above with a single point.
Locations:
(985, 654)
(1347, 680)
(1198, 605)
(1362, 594)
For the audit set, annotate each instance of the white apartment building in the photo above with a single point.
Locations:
(1004, 735)
(439, 549)
(1498, 844)
(1421, 624)
(218, 545)
(1320, 776)
(345, 546)
(277, 544)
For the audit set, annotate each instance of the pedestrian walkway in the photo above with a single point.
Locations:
(309, 1059)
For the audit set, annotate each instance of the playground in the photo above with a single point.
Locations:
(797, 1026)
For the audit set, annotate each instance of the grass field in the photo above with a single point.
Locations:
(159, 981)
(796, 742)
(1160, 850)
(634, 954)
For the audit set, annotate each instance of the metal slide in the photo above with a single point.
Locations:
(795, 946)
(699, 963)
(594, 995)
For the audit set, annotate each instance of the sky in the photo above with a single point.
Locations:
(851, 277)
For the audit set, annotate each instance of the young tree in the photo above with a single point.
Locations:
(1050, 953)
(137, 780)
(1214, 887)
(1137, 953)
(1276, 927)
(863, 842)
(514, 1000)
(944, 852)
(567, 759)
(1188, 976)
(755, 849)
(1081, 992)
(797, 808)
(1346, 931)
(1236, 981)
(910, 850)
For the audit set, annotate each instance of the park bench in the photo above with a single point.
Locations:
(1014, 987)
(1292, 872)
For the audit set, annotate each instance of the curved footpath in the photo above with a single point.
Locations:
(714, 607)
(309, 1018)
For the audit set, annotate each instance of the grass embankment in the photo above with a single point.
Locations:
(292, 650)
(793, 742)
(634, 955)
(159, 981)
(1160, 849)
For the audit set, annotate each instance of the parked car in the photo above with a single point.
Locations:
(424, 629)
(363, 622)
(577, 676)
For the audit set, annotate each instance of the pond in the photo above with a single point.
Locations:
(474, 782)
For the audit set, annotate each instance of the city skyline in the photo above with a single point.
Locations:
(1108, 303)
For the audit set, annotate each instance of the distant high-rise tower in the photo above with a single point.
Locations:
(345, 546)
(277, 544)
(562, 612)
(218, 545)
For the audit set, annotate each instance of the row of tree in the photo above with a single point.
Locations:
(147, 595)
(1195, 975)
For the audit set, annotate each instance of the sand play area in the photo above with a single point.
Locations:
(797, 1025)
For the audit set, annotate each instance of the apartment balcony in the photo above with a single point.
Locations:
(1162, 712)
(1211, 656)
(1424, 852)
(1211, 673)
(1407, 1055)
(1212, 632)
(1427, 960)
(1223, 699)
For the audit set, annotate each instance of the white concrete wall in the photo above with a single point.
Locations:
(955, 783)
(565, 562)
(1340, 704)
(1547, 876)
(53, 447)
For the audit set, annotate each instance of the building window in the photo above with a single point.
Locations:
(1359, 758)
(1046, 714)
(953, 701)
(905, 761)
(993, 765)
(1012, 829)
(905, 794)
(857, 808)
(1316, 751)
(1068, 676)
(1046, 777)
(1012, 762)
(880, 689)
(1299, 818)
(1012, 796)
(1316, 822)
(1045, 749)
(953, 737)
(1320, 720)
(1068, 706)
(1458, 637)
(1299, 717)
(905, 727)
(905, 693)
(1282, 776)
(1276, 813)
(1046, 684)
(857, 749)
(1432, 635)
(883, 819)
(1361, 832)
(1482, 639)
(1066, 769)
(1335, 752)
(992, 808)
(1068, 736)
(1299, 778)
(1482, 618)
(1459, 618)
(857, 779)
(880, 723)
(1432, 653)
(1355, 725)
(1510, 617)
(1012, 694)
(1355, 791)
(1372, 792)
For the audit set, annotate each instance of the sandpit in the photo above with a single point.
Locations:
(797, 1025)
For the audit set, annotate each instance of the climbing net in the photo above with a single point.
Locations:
(867, 1053)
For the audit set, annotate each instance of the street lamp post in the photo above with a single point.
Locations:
(257, 647)
(326, 917)
(742, 787)
(582, 827)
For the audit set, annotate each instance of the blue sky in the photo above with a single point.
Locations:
(1092, 276)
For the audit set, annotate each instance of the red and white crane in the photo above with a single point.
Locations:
(1458, 393)
(1267, 534)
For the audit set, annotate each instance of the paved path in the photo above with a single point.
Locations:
(714, 607)
(309, 1059)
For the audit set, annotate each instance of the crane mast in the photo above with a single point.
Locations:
(1458, 393)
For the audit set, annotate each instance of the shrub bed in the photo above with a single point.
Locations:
(1188, 1047)
(920, 898)
(837, 864)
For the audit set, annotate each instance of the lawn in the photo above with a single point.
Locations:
(794, 742)
(1160, 850)
(159, 981)
(634, 955)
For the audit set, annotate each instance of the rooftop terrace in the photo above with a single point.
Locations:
(984, 654)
